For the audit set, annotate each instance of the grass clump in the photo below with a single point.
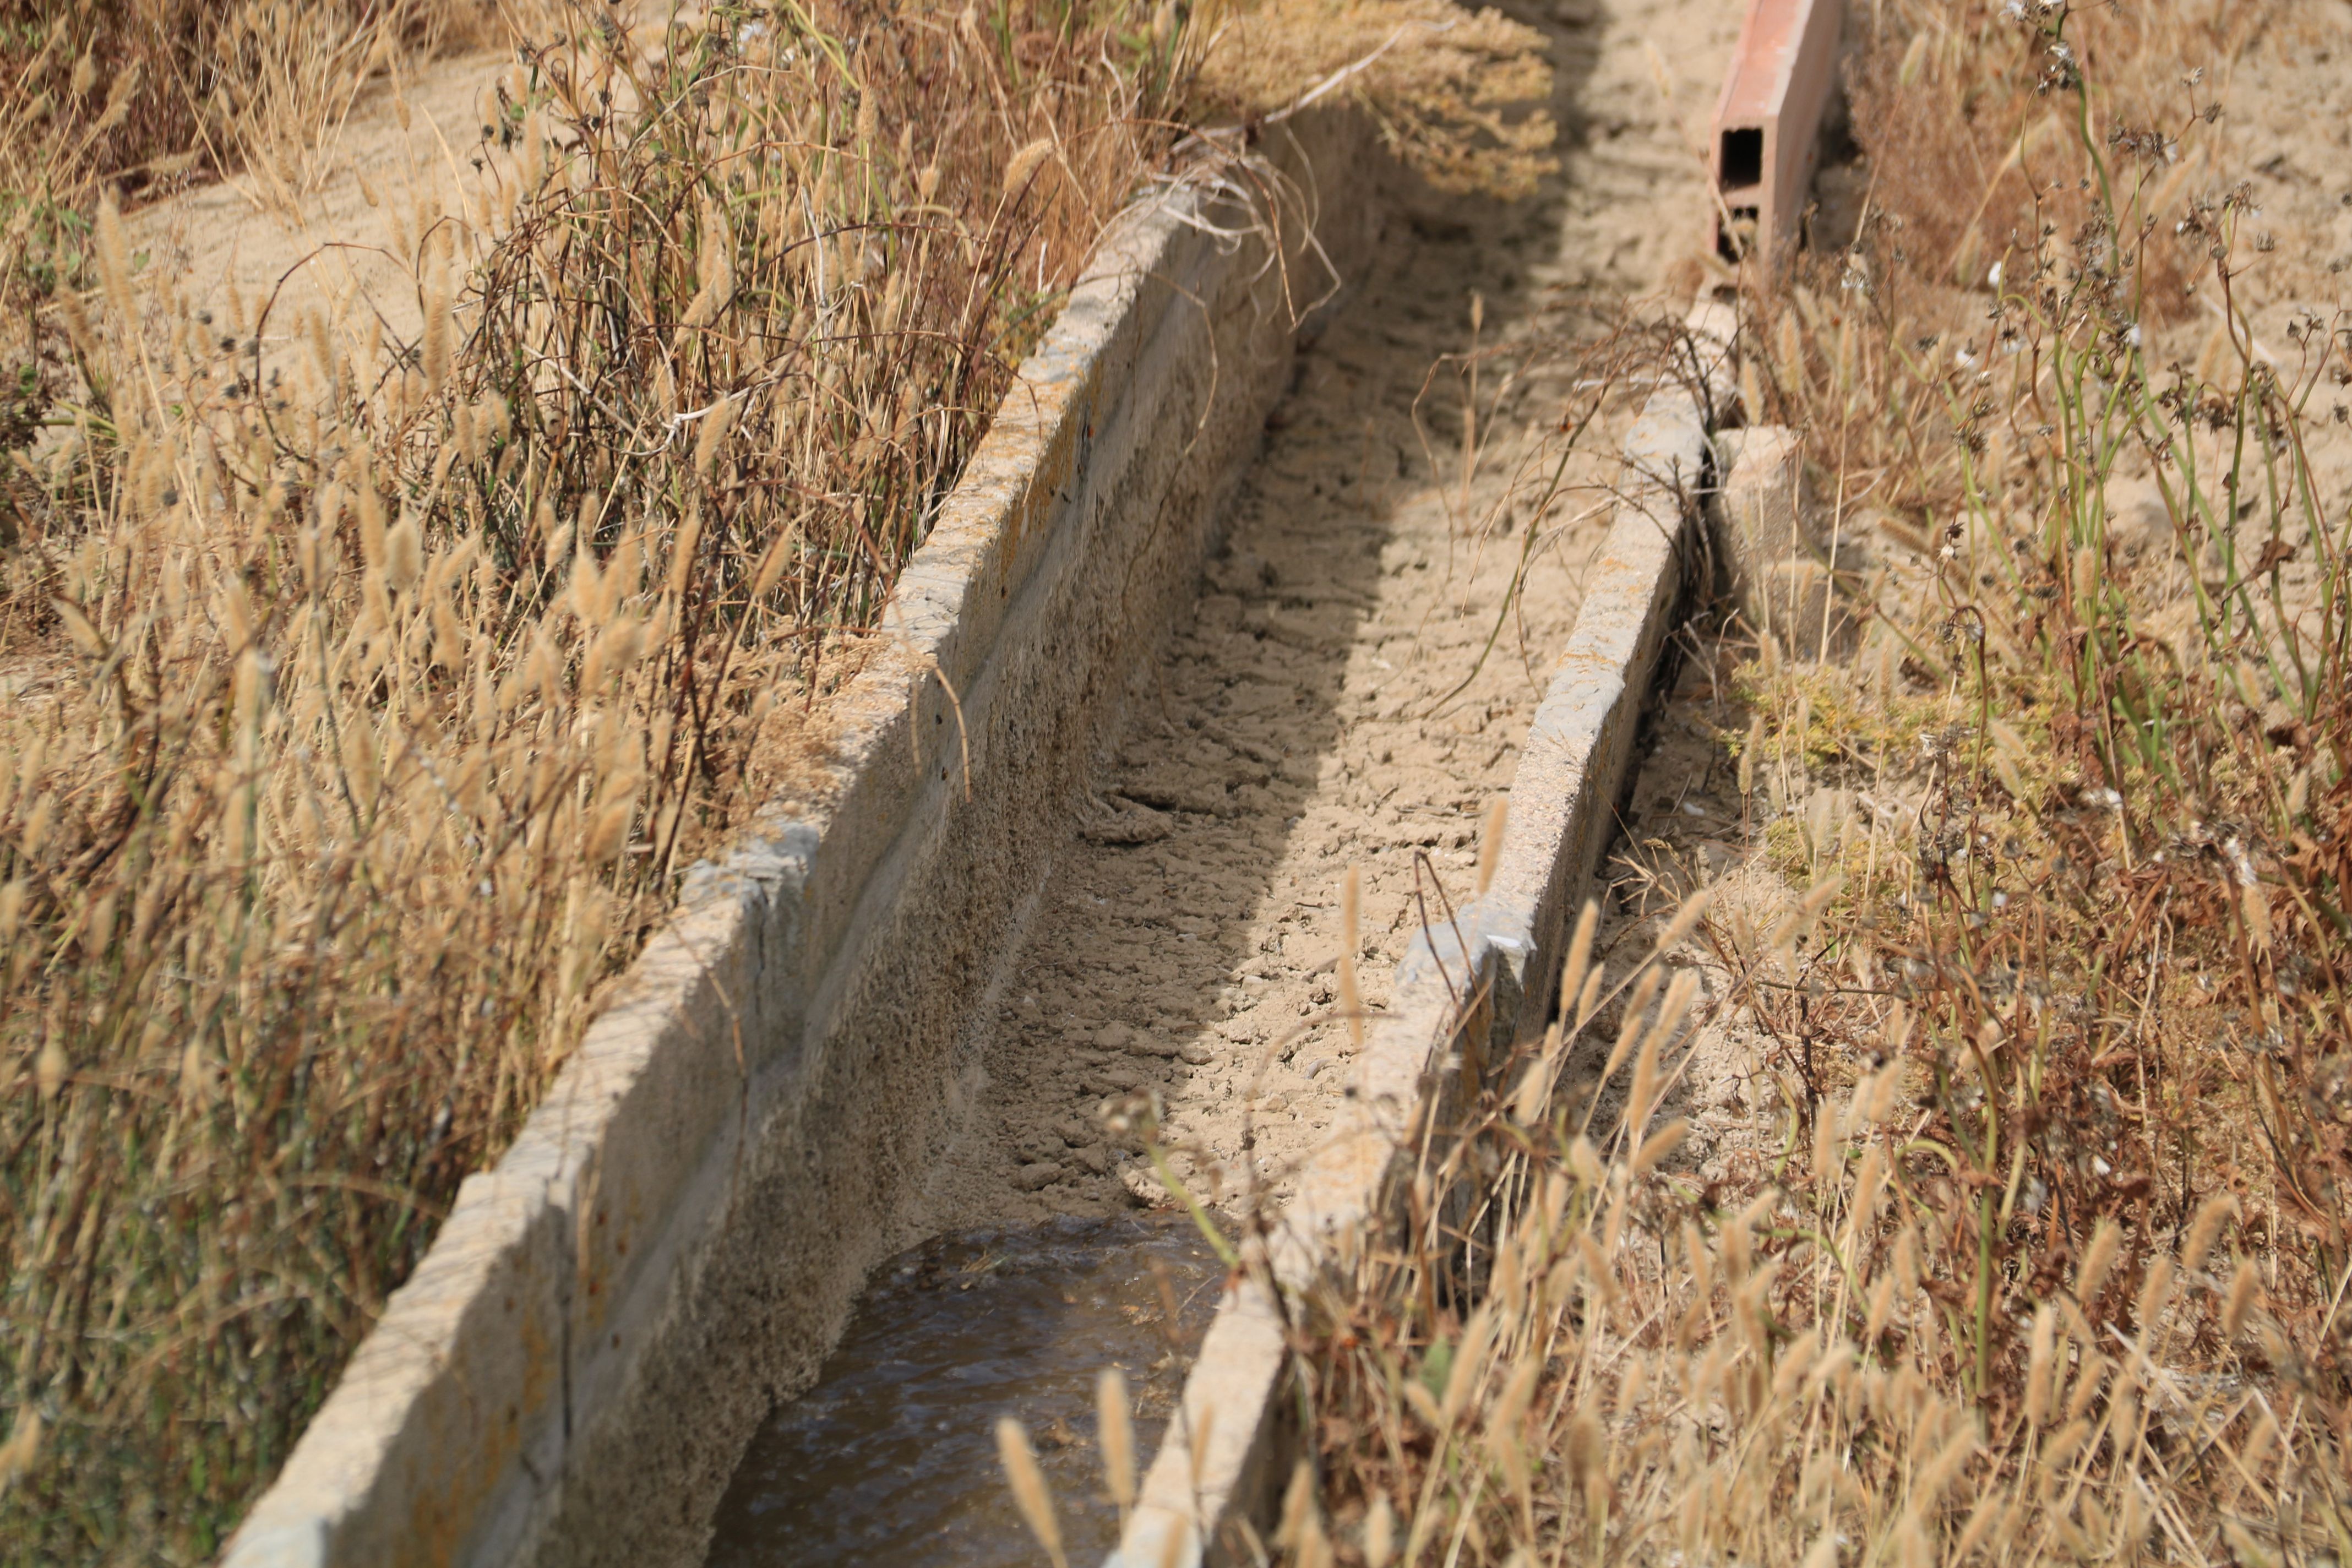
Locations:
(1459, 96)
(1620, 1363)
(2041, 1252)
(362, 698)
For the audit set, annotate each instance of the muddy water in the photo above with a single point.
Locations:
(892, 1459)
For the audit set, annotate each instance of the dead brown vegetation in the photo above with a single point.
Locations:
(1458, 95)
(2040, 1251)
(364, 698)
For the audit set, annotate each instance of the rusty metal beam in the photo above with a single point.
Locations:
(1768, 125)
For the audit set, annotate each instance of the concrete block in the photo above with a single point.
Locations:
(1775, 553)
(444, 1400)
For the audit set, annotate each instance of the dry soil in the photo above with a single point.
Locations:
(1354, 682)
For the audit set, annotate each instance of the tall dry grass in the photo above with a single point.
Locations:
(360, 700)
(2040, 1252)
(2106, 660)
(1611, 1361)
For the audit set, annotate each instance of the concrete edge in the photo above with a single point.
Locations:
(455, 1433)
(1465, 996)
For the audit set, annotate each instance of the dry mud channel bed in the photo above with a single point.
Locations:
(1334, 700)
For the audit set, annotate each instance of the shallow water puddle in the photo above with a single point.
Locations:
(894, 1452)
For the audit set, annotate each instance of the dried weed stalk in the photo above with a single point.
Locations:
(2045, 1255)
(361, 700)
(1462, 96)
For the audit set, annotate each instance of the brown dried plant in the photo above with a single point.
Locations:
(362, 701)
(1613, 1363)
(1462, 97)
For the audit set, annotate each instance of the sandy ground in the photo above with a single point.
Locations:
(1326, 705)
(346, 237)
(2282, 129)
(346, 230)
(2283, 134)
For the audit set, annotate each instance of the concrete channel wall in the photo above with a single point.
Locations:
(677, 1236)
(1465, 995)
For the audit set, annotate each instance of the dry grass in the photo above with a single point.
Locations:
(361, 700)
(1609, 1363)
(153, 96)
(1456, 94)
(1971, 132)
(2040, 1251)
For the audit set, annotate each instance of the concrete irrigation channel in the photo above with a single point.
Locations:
(1210, 620)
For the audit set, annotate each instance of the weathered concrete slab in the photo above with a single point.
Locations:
(677, 1236)
(1796, 578)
